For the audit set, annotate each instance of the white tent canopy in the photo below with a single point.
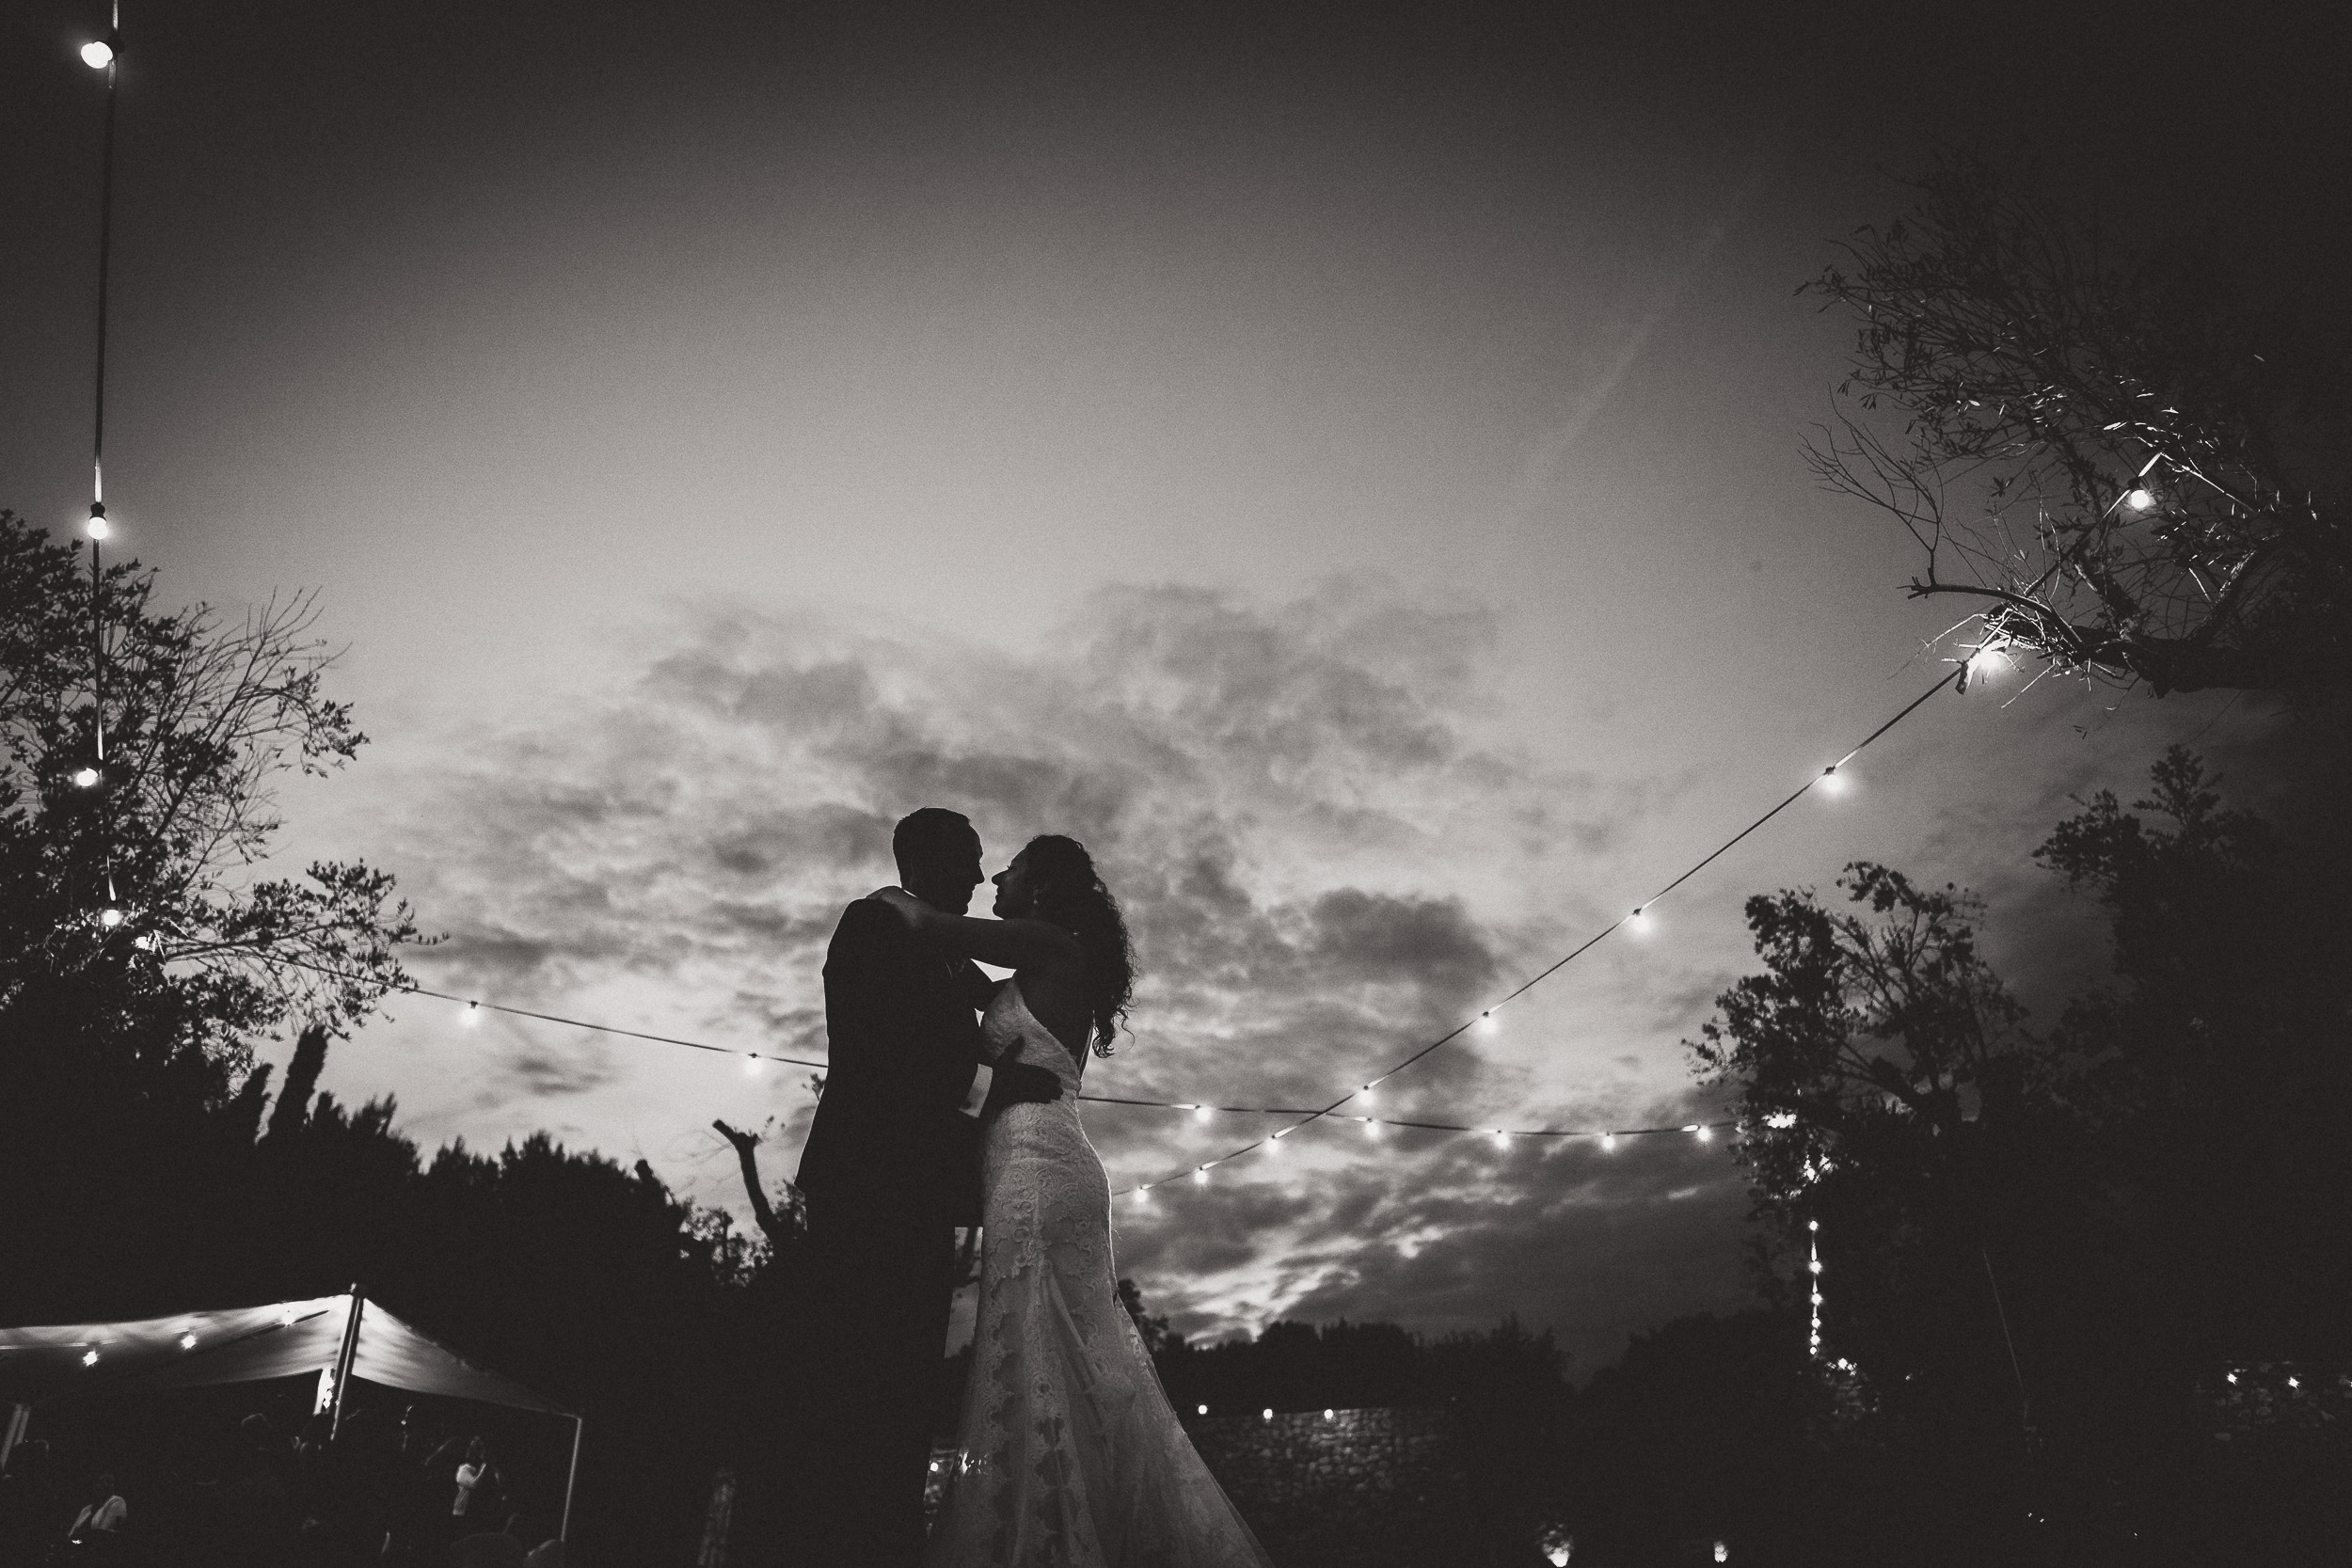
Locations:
(246, 1344)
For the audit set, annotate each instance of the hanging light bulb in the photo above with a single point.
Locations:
(1704, 1133)
(1813, 1224)
(1371, 1128)
(1274, 1145)
(1201, 1113)
(1486, 1023)
(1832, 782)
(1609, 1143)
(1200, 1409)
(1327, 1415)
(472, 1017)
(1267, 1413)
(1367, 1093)
(98, 54)
(1640, 921)
(1200, 1175)
(110, 917)
(1143, 1197)
(85, 778)
(98, 526)
(2139, 499)
(187, 1342)
(1815, 1266)
(751, 1064)
(90, 1358)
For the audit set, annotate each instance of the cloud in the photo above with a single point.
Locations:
(1328, 855)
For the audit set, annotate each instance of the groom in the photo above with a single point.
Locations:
(891, 1169)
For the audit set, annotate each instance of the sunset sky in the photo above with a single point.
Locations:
(1341, 465)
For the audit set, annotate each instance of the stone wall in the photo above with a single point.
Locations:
(1367, 1488)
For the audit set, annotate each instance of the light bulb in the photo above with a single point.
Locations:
(110, 917)
(1817, 1298)
(187, 1342)
(285, 1317)
(2141, 499)
(1832, 782)
(1367, 1093)
(98, 526)
(1704, 1135)
(1201, 1176)
(1143, 1197)
(1201, 1113)
(751, 1064)
(1371, 1128)
(1501, 1138)
(1815, 1265)
(1487, 1025)
(1267, 1413)
(1722, 1552)
(98, 54)
(85, 778)
(90, 1358)
(472, 1017)
(1327, 1415)
(1608, 1143)
(1200, 1409)
(1273, 1143)
(1639, 920)
(1813, 1224)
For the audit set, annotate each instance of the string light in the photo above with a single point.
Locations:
(1502, 1139)
(1640, 920)
(751, 1064)
(472, 1017)
(97, 54)
(1813, 1243)
(1201, 1113)
(1200, 1175)
(1833, 784)
(1486, 1023)
(85, 778)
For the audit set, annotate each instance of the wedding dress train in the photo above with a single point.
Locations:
(1068, 1454)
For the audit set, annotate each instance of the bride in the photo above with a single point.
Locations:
(1068, 1454)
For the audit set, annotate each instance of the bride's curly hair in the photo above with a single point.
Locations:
(1067, 892)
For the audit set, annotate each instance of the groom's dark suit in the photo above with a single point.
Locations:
(891, 1168)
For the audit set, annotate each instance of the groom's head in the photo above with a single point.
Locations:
(939, 858)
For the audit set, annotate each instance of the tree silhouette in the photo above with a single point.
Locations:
(2123, 468)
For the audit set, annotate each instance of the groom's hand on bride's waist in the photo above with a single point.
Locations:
(1025, 1083)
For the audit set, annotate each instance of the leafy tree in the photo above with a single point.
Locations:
(135, 936)
(2125, 470)
(2038, 1248)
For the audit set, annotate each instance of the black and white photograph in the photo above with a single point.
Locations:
(1174, 786)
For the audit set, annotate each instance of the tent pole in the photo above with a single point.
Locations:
(571, 1478)
(18, 1418)
(348, 1353)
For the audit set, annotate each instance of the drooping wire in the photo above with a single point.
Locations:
(1306, 1116)
(110, 914)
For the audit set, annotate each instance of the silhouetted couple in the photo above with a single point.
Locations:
(1068, 1452)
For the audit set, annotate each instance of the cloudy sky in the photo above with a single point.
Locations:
(1339, 464)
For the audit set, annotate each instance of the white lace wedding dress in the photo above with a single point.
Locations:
(1068, 1454)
